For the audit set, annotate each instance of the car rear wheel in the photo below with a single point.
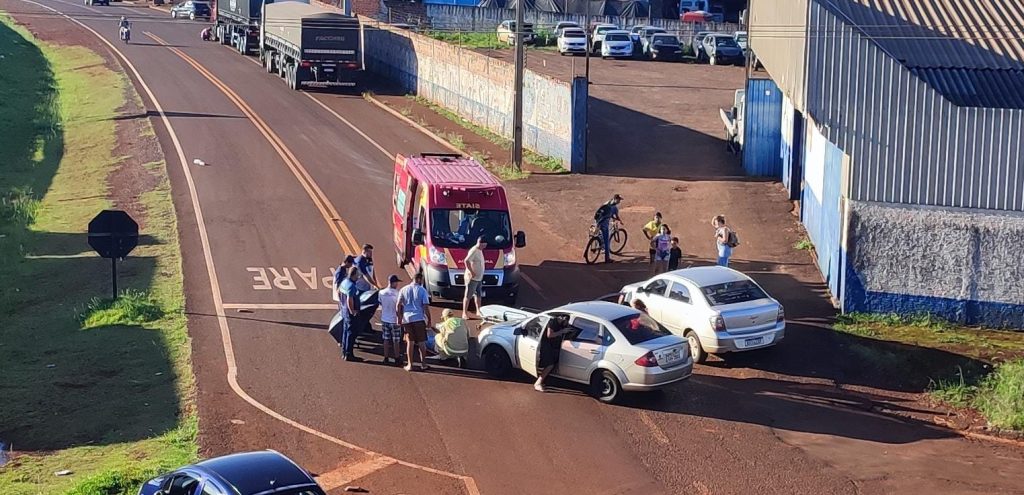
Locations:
(696, 350)
(605, 387)
(192, 15)
(713, 60)
(496, 361)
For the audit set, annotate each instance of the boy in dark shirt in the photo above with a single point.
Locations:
(674, 255)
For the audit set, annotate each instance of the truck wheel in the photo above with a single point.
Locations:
(223, 36)
(268, 62)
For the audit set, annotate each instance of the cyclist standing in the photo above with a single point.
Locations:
(604, 215)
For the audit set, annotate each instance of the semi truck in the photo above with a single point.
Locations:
(238, 24)
(309, 45)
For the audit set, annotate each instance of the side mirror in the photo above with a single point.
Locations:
(518, 331)
(417, 237)
(520, 239)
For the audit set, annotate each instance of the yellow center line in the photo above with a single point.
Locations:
(346, 240)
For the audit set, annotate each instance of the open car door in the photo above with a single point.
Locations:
(528, 343)
(404, 205)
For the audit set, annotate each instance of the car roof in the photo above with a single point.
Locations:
(256, 472)
(703, 276)
(600, 309)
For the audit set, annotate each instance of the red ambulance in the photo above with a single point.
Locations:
(442, 204)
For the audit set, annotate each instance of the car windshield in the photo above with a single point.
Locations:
(573, 34)
(742, 38)
(602, 29)
(723, 41)
(617, 37)
(461, 228)
(640, 328)
(653, 32)
(666, 40)
(733, 292)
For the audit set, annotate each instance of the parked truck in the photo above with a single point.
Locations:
(238, 24)
(309, 45)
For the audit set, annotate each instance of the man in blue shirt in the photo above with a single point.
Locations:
(340, 274)
(353, 321)
(367, 280)
(605, 214)
(414, 316)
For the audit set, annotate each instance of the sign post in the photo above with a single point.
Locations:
(113, 234)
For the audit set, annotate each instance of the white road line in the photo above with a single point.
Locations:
(352, 126)
(285, 306)
(222, 321)
(346, 474)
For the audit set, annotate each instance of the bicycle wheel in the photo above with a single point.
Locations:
(618, 240)
(593, 250)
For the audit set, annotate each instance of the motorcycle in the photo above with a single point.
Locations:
(126, 34)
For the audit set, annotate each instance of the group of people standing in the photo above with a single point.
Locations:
(404, 314)
(665, 251)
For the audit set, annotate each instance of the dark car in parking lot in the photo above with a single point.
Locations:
(665, 47)
(248, 473)
(192, 10)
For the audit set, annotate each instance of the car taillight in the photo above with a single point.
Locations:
(306, 64)
(647, 360)
(782, 315)
(352, 65)
(718, 323)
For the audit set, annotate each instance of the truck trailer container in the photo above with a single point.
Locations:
(309, 45)
(238, 23)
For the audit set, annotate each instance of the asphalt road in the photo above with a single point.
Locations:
(279, 164)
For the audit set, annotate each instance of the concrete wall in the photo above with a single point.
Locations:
(475, 86)
(457, 17)
(965, 265)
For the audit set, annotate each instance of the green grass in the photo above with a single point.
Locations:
(542, 161)
(999, 395)
(468, 39)
(111, 403)
(804, 244)
(132, 307)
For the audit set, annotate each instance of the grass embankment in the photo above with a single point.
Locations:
(978, 368)
(101, 389)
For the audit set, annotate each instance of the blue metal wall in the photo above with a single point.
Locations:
(464, 3)
(821, 205)
(792, 148)
(762, 129)
(580, 99)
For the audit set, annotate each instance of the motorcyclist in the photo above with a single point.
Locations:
(124, 25)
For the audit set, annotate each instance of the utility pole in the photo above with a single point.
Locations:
(590, 41)
(517, 112)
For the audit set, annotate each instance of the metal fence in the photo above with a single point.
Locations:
(483, 19)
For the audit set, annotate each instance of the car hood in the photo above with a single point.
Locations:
(667, 47)
(618, 44)
(728, 50)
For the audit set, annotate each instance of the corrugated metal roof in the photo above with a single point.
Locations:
(971, 51)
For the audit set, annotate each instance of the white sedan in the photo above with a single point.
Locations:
(717, 309)
(572, 41)
(613, 349)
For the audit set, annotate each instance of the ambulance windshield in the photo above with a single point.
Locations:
(461, 228)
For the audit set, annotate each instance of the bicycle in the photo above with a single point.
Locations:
(595, 247)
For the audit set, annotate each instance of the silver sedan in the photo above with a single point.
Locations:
(613, 348)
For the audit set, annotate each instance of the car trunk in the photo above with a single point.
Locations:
(668, 350)
(750, 316)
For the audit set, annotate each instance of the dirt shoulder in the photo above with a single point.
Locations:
(81, 144)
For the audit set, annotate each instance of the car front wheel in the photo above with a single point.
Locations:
(496, 361)
(605, 387)
(696, 350)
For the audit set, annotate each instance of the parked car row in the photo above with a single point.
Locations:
(647, 42)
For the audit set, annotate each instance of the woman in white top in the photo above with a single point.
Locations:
(722, 240)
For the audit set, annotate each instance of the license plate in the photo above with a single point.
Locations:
(328, 70)
(753, 341)
(670, 356)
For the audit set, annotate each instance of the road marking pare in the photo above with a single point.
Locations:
(290, 278)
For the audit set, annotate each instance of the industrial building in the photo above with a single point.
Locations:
(897, 125)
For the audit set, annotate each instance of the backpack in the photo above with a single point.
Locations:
(603, 212)
(733, 240)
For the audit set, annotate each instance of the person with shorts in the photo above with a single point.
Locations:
(650, 230)
(662, 246)
(475, 267)
(413, 314)
(390, 329)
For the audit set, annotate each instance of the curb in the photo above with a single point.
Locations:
(414, 124)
